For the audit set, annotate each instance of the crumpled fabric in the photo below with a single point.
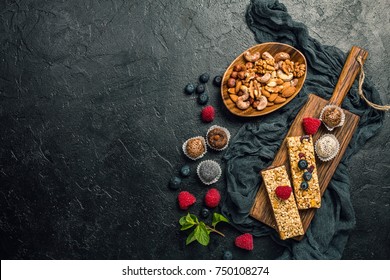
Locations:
(255, 144)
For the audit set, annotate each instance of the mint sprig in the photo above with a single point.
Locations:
(201, 233)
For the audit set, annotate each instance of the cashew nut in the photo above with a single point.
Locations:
(281, 56)
(272, 83)
(265, 78)
(262, 103)
(285, 77)
(267, 56)
(294, 82)
(245, 90)
(242, 104)
(251, 57)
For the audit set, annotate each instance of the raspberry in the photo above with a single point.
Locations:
(208, 113)
(311, 125)
(244, 241)
(212, 198)
(185, 200)
(283, 192)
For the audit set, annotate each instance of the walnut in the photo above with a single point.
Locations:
(287, 66)
(299, 70)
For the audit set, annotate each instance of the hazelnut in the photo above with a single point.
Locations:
(241, 75)
(237, 68)
(240, 93)
(234, 75)
(231, 82)
(249, 65)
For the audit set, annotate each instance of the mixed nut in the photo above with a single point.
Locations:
(264, 80)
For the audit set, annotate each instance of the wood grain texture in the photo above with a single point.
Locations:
(348, 75)
(273, 48)
(261, 209)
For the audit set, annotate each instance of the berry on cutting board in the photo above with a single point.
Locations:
(304, 186)
(311, 125)
(302, 164)
(283, 192)
(307, 176)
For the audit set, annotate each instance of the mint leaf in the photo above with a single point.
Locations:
(186, 226)
(182, 220)
(187, 222)
(191, 238)
(194, 218)
(189, 219)
(218, 218)
(201, 234)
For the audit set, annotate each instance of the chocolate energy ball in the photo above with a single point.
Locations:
(332, 116)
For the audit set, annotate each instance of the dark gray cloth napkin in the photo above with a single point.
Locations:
(256, 143)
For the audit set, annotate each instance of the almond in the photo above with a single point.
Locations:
(265, 93)
(232, 91)
(238, 85)
(279, 99)
(272, 97)
(287, 92)
(233, 97)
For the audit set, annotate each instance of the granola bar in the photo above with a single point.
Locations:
(304, 172)
(286, 213)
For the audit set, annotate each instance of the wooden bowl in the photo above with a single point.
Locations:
(273, 48)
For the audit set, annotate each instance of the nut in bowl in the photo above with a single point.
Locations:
(263, 79)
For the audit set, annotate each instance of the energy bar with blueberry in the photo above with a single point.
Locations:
(304, 172)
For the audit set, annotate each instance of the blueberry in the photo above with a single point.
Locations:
(185, 171)
(174, 183)
(217, 81)
(200, 88)
(204, 78)
(189, 89)
(227, 255)
(307, 176)
(302, 164)
(205, 213)
(304, 185)
(203, 98)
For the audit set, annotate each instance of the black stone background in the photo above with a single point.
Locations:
(93, 116)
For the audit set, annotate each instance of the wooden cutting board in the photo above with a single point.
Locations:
(261, 209)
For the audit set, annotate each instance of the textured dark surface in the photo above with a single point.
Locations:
(93, 116)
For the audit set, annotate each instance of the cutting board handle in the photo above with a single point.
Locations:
(348, 75)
